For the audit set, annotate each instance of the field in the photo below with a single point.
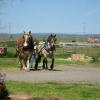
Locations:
(60, 53)
(63, 91)
(10, 61)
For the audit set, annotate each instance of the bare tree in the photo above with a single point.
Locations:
(3, 5)
(1, 12)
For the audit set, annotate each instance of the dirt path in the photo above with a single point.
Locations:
(60, 74)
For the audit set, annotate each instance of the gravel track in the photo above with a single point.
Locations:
(66, 74)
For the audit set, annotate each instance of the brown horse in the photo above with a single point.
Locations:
(46, 50)
(24, 49)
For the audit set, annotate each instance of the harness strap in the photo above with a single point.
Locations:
(41, 49)
(48, 48)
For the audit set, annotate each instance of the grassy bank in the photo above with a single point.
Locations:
(66, 91)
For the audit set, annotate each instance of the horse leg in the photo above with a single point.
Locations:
(32, 60)
(38, 59)
(28, 61)
(52, 65)
(43, 66)
(36, 63)
(21, 65)
(28, 64)
(20, 62)
(46, 62)
(24, 64)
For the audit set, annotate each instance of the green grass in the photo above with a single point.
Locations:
(10, 61)
(8, 64)
(97, 63)
(11, 53)
(61, 52)
(67, 91)
(88, 51)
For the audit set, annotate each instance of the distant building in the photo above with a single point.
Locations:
(93, 40)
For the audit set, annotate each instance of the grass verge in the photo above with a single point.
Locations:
(64, 91)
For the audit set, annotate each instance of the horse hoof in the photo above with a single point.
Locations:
(43, 68)
(46, 68)
(27, 69)
(51, 69)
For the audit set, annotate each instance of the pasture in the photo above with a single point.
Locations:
(10, 61)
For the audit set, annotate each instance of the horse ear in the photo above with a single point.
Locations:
(51, 35)
(24, 32)
(55, 35)
(29, 32)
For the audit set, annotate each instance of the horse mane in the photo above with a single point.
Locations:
(19, 41)
(31, 42)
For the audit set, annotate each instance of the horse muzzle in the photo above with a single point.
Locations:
(25, 45)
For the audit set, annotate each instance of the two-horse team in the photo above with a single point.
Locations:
(26, 49)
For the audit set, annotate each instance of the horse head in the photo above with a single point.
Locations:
(52, 40)
(28, 40)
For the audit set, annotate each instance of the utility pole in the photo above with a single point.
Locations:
(84, 28)
(10, 35)
(9, 29)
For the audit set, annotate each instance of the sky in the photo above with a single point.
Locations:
(51, 16)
